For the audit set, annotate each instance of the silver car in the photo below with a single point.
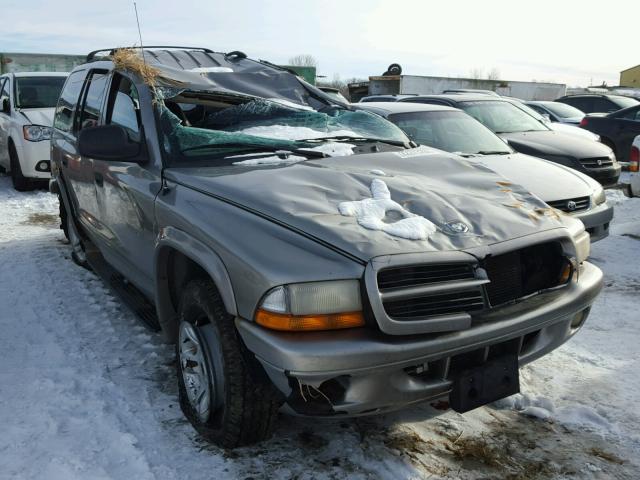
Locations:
(452, 130)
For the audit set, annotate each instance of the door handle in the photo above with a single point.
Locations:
(99, 179)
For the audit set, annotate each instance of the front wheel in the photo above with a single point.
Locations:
(20, 182)
(78, 253)
(221, 394)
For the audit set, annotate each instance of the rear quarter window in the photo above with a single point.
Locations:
(68, 101)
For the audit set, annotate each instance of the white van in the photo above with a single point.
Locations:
(27, 104)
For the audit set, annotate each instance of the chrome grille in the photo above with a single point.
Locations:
(571, 204)
(596, 162)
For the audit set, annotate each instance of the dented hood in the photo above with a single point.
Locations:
(442, 188)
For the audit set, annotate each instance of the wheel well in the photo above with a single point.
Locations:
(175, 270)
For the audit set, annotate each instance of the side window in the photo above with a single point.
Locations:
(605, 105)
(68, 101)
(94, 97)
(124, 107)
(632, 115)
(4, 89)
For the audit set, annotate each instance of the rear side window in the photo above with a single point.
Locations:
(4, 89)
(581, 103)
(97, 85)
(124, 106)
(68, 101)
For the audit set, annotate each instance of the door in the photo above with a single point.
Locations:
(626, 128)
(126, 191)
(64, 153)
(5, 123)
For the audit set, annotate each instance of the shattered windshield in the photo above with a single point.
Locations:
(206, 127)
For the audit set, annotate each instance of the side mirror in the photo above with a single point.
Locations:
(108, 142)
(6, 107)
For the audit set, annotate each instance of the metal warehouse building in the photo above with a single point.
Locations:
(630, 77)
(38, 62)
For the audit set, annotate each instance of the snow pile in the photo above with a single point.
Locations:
(288, 132)
(370, 213)
(271, 160)
(379, 173)
(543, 408)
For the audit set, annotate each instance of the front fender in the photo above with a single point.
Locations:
(173, 239)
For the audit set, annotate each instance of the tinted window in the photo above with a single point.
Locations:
(90, 115)
(453, 132)
(563, 110)
(124, 106)
(38, 92)
(502, 117)
(605, 105)
(4, 89)
(633, 114)
(623, 102)
(537, 108)
(584, 104)
(68, 101)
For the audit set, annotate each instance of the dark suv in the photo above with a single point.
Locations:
(526, 134)
(598, 103)
(302, 254)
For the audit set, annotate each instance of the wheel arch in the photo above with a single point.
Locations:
(178, 259)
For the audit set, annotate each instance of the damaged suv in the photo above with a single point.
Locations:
(304, 256)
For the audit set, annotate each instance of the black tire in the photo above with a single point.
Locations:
(20, 182)
(243, 403)
(78, 253)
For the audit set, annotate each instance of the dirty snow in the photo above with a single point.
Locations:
(86, 392)
(371, 213)
(271, 160)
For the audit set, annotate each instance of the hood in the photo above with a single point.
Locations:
(440, 187)
(38, 116)
(574, 130)
(549, 142)
(545, 179)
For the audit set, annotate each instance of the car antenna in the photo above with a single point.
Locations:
(135, 8)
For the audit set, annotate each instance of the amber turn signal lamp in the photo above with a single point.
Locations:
(566, 273)
(308, 323)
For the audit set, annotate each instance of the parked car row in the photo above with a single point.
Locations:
(308, 256)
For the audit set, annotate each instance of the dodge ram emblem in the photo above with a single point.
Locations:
(571, 205)
(599, 162)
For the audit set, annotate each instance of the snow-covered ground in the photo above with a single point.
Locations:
(87, 393)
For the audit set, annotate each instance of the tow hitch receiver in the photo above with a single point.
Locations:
(487, 383)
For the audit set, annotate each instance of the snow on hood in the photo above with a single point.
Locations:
(440, 187)
(370, 213)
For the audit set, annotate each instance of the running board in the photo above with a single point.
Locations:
(133, 298)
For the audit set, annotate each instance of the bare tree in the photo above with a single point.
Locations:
(476, 73)
(303, 60)
(494, 74)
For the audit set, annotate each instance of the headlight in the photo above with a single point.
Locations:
(583, 246)
(599, 196)
(36, 133)
(312, 306)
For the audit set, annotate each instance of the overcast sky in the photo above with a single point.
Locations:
(574, 42)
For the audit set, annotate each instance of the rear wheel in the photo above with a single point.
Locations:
(220, 392)
(20, 182)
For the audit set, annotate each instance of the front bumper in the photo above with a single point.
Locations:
(361, 371)
(607, 176)
(596, 221)
(30, 154)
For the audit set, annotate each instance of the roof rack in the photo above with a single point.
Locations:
(91, 56)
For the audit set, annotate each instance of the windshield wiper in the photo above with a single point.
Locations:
(255, 147)
(493, 152)
(341, 138)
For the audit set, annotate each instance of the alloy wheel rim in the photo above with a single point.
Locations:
(195, 372)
